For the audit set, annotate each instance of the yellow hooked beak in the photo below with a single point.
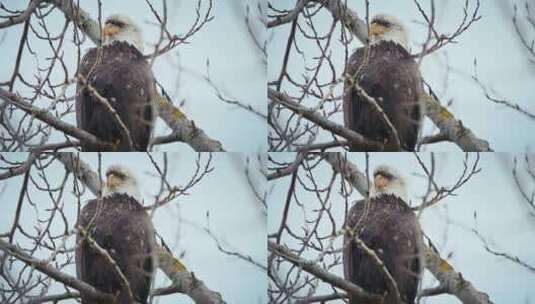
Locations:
(380, 181)
(109, 30)
(112, 181)
(377, 30)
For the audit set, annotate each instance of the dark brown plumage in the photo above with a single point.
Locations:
(393, 79)
(122, 76)
(388, 227)
(118, 224)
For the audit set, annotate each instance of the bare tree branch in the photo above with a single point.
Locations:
(452, 281)
(183, 129)
(46, 117)
(319, 272)
(287, 129)
(352, 136)
(44, 267)
(12, 20)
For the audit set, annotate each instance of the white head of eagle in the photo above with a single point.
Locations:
(121, 28)
(121, 180)
(386, 180)
(388, 28)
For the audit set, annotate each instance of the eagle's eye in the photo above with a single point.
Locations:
(385, 175)
(382, 22)
(119, 175)
(117, 23)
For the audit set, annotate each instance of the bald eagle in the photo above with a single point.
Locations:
(386, 224)
(386, 71)
(119, 225)
(118, 73)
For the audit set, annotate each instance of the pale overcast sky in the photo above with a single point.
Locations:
(221, 194)
(502, 65)
(236, 66)
(502, 217)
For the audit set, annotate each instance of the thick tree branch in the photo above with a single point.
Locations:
(54, 298)
(451, 127)
(22, 168)
(322, 298)
(51, 120)
(353, 137)
(453, 281)
(82, 171)
(70, 295)
(80, 18)
(185, 281)
(57, 275)
(349, 171)
(348, 18)
(185, 129)
(290, 169)
(12, 20)
(318, 271)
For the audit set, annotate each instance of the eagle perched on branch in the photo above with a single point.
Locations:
(385, 224)
(388, 74)
(116, 226)
(117, 74)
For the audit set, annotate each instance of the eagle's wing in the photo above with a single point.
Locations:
(80, 257)
(352, 256)
(409, 266)
(142, 88)
(358, 114)
(414, 88)
(134, 243)
(350, 104)
(83, 253)
(144, 252)
(83, 106)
